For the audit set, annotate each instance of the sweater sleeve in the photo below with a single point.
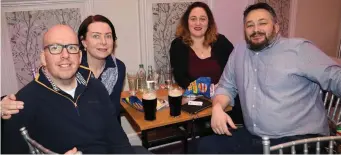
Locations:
(179, 63)
(225, 48)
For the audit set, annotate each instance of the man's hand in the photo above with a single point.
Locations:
(73, 151)
(219, 121)
(10, 106)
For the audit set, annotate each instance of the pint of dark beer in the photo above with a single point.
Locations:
(174, 99)
(149, 105)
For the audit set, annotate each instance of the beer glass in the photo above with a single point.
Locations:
(149, 102)
(174, 100)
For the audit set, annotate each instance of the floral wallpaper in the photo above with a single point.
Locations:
(26, 29)
(282, 8)
(165, 19)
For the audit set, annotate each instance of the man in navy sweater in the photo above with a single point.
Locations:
(65, 109)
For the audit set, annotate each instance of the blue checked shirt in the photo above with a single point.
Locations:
(279, 87)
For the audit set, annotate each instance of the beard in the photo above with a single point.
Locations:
(260, 45)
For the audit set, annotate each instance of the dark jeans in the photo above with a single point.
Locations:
(141, 150)
(241, 142)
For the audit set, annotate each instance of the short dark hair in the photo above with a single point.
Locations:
(261, 5)
(83, 28)
(183, 32)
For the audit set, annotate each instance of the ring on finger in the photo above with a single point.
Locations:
(3, 114)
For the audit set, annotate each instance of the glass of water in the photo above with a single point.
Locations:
(132, 82)
(153, 80)
(168, 78)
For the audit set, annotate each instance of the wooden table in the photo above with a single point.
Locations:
(163, 117)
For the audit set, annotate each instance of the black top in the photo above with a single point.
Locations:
(53, 120)
(179, 58)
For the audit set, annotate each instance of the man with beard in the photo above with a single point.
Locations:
(278, 81)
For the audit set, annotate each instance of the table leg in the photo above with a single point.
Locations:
(184, 141)
(185, 145)
(193, 130)
(144, 137)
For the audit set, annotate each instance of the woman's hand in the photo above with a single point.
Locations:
(10, 106)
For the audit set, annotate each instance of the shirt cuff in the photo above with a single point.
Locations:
(222, 91)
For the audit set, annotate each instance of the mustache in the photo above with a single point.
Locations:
(64, 61)
(257, 33)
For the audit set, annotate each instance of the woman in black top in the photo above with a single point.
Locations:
(198, 50)
(198, 45)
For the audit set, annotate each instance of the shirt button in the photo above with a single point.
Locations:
(253, 106)
(257, 53)
(254, 125)
(255, 70)
(254, 88)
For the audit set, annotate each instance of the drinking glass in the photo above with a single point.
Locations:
(153, 80)
(175, 100)
(157, 77)
(132, 82)
(168, 78)
(149, 103)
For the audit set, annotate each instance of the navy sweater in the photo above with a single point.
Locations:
(115, 96)
(53, 120)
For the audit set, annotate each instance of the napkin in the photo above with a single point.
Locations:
(136, 103)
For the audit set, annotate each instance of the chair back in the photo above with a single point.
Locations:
(267, 149)
(333, 108)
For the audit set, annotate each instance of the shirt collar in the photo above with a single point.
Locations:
(83, 75)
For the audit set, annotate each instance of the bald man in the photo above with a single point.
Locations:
(64, 107)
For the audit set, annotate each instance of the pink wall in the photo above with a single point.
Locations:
(229, 18)
(320, 22)
(316, 20)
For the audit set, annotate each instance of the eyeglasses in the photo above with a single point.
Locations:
(58, 48)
